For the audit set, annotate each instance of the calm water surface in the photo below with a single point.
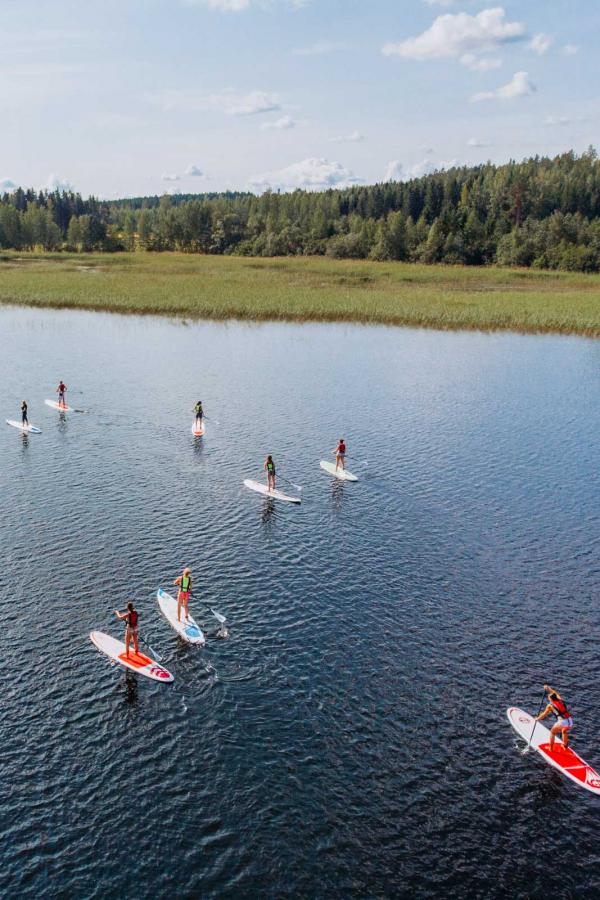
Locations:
(349, 739)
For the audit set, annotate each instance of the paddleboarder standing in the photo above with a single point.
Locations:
(184, 583)
(131, 627)
(269, 468)
(340, 454)
(24, 419)
(199, 414)
(564, 720)
(60, 390)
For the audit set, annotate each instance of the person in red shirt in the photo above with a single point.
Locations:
(131, 627)
(564, 720)
(60, 390)
(340, 454)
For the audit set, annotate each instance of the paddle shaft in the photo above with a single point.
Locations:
(535, 721)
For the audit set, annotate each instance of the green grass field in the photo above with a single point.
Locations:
(305, 289)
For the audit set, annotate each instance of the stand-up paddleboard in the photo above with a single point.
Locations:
(342, 474)
(28, 429)
(562, 758)
(263, 489)
(198, 432)
(187, 629)
(60, 407)
(137, 662)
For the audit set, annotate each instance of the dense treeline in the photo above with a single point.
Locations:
(540, 212)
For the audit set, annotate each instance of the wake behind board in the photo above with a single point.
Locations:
(59, 406)
(187, 629)
(342, 474)
(198, 432)
(263, 489)
(562, 758)
(137, 662)
(27, 429)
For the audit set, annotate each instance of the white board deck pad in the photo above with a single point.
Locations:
(27, 429)
(342, 474)
(263, 489)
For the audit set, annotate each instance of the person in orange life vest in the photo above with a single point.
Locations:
(60, 390)
(184, 583)
(340, 455)
(564, 720)
(131, 627)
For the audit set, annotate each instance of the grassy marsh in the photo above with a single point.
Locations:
(306, 289)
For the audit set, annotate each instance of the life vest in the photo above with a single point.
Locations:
(271, 467)
(132, 619)
(560, 709)
(185, 583)
(198, 409)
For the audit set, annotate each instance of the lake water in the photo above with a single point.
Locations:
(350, 738)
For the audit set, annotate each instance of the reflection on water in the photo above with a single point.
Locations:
(349, 738)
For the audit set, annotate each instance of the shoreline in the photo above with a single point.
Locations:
(306, 289)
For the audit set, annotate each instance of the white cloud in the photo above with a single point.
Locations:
(476, 142)
(354, 137)
(234, 104)
(229, 101)
(309, 174)
(320, 48)
(194, 171)
(541, 43)
(221, 5)
(282, 124)
(241, 5)
(480, 64)
(452, 36)
(166, 177)
(519, 86)
(570, 50)
(395, 171)
(6, 184)
(563, 120)
(55, 183)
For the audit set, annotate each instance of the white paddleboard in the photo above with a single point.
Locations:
(188, 629)
(58, 406)
(137, 662)
(562, 758)
(342, 474)
(263, 489)
(198, 432)
(29, 429)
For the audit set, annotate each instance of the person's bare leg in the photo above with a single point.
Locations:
(178, 606)
(135, 643)
(127, 642)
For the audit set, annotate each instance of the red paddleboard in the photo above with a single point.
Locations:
(137, 662)
(61, 407)
(198, 432)
(560, 757)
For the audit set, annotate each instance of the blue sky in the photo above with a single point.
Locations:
(141, 96)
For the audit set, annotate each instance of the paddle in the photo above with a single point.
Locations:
(153, 652)
(296, 487)
(526, 750)
(218, 616)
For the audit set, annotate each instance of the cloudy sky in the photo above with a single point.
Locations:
(129, 97)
